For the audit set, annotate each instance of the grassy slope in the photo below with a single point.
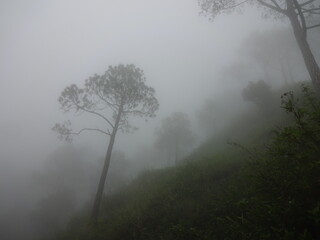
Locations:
(210, 196)
(179, 202)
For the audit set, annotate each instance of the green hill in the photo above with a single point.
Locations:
(270, 192)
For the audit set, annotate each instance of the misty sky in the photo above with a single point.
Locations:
(47, 45)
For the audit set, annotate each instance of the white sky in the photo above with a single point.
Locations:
(47, 45)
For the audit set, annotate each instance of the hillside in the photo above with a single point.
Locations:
(265, 190)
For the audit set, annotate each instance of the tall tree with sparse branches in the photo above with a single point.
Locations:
(296, 11)
(114, 96)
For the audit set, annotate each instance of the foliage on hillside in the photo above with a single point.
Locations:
(272, 194)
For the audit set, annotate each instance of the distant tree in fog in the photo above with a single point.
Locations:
(112, 97)
(174, 135)
(236, 73)
(217, 114)
(274, 51)
(260, 94)
(208, 115)
(296, 11)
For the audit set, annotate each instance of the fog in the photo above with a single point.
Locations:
(48, 45)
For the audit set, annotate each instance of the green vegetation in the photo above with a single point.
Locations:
(239, 194)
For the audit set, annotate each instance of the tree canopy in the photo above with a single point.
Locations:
(298, 12)
(114, 96)
(120, 91)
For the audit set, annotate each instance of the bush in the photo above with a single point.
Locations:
(282, 191)
(261, 95)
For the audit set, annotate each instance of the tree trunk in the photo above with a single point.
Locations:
(309, 60)
(99, 194)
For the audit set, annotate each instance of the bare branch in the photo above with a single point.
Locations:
(306, 3)
(95, 113)
(276, 4)
(314, 26)
(65, 131)
(90, 129)
(275, 8)
(311, 10)
(234, 6)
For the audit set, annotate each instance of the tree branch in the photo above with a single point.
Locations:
(135, 112)
(275, 8)
(277, 5)
(95, 113)
(236, 5)
(90, 129)
(113, 106)
(311, 10)
(306, 3)
(302, 19)
(314, 26)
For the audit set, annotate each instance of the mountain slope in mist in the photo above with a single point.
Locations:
(267, 194)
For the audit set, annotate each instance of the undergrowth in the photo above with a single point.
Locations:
(267, 194)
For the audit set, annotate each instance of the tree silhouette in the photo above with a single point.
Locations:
(114, 96)
(297, 11)
(174, 134)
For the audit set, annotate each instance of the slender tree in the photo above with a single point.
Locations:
(297, 11)
(114, 96)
